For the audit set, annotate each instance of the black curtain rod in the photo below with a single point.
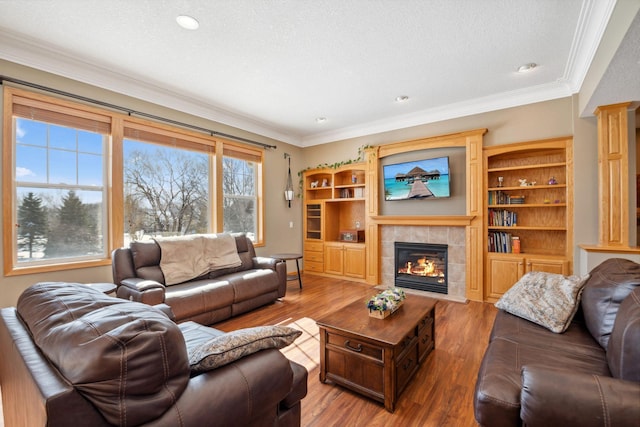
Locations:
(131, 112)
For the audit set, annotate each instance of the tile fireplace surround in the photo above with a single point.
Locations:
(454, 237)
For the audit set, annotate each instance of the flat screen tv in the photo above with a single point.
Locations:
(420, 179)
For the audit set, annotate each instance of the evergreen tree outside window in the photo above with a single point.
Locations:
(79, 181)
(32, 233)
(59, 184)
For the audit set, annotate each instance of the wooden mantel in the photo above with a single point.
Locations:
(426, 220)
(472, 221)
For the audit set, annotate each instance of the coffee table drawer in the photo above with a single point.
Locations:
(376, 358)
(406, 366)
(426, 321)
(354, 346)
(406, 342)
(426, 340)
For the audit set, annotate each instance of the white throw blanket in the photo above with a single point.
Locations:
(187, 257)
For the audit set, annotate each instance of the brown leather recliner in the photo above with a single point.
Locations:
(208, 299)
(587, 376)
(72, 356)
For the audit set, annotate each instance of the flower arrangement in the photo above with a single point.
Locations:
(388, 301)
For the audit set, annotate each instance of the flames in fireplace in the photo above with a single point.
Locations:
(422, 267)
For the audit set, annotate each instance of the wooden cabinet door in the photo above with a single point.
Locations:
(558, 266)
(333, 258)
(502, 273)
(354, 261)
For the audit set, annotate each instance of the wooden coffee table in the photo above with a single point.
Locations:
(376, 357)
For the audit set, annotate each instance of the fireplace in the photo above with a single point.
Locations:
(421, 266)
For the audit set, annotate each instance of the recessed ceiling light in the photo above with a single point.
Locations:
(187, 22)
(527, 67)
(321, 119)
(402, 98)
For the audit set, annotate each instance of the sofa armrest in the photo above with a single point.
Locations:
(245, 392)
(141, 290)
(562, 397)
(166, 310)
(265, 262)
(277, 265)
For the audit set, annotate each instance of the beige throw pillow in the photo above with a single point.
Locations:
(548, 299)
(227, 348)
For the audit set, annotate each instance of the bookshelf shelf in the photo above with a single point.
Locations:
(339, 194)
(529, 198)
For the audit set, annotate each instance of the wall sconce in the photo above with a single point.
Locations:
(288, 191)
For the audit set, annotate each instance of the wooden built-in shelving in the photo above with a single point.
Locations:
(334, 200)
(538, 211)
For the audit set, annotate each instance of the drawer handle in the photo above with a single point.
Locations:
(426, 339)
(357, 349)
(408, 364)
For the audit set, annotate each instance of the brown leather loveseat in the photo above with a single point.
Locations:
(72, 356)
(203, 293)
(588, 375)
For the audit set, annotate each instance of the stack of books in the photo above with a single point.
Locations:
(502, 218)
(500, 241)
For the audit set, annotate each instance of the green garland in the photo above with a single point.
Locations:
(336, 165)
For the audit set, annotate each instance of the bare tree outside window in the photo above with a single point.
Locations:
(166, 190)
(239, 189)
(69, 158)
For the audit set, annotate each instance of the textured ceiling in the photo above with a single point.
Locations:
(273, 67)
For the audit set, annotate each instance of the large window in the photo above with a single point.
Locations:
(82, 181)
(166, 184)
(59, 189)
(240, 201)
(242, 191)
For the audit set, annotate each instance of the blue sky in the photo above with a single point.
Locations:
(50, 154)
(440, 163)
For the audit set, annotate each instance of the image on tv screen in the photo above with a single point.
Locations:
(421, 179)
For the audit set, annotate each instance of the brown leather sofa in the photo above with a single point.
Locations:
(587, 376)
(207, 299)
(72, 356)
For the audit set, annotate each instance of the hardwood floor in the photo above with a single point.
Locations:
(440, 394)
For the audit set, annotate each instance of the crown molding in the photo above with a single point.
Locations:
(23, 51)
(592, 23)
(470, 107)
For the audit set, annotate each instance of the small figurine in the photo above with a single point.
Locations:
(500, 181)
(532, 183)
(552, 181)
(523, 182)
(314, 184)
(325, 182)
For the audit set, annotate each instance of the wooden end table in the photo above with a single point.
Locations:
(288, 257)
(376, 357)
